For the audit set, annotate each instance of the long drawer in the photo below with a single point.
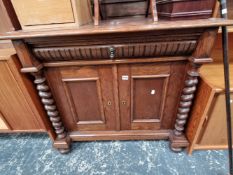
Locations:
(176, 48)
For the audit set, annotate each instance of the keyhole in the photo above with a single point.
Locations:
(109, 103)
(123, 102)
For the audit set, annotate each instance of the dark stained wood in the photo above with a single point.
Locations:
(86, 87)
(185, 9)
(25, 56)
(121, 8)
(148, 82)
(52, 111)
(120, 135)
(173, 93)
(119, 26)
(206, 43)
(113, 62)
(175, 48)
(136, 113)
(118, 80)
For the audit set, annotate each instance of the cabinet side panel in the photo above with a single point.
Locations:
(198, 113)
(175, 85)
(14, 105)
(214, 130)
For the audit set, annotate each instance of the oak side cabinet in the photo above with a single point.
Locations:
(207, 128)
(118, 81)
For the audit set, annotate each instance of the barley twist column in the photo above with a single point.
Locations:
(50, 107)
(177, 137)
(186, 101)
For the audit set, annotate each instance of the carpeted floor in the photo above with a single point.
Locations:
(32, 154)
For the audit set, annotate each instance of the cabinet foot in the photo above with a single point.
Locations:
(62, 145)
(176, 150)
(64, 151)
(178, 143)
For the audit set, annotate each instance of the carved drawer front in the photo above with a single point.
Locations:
(85, 97)
(95, 52)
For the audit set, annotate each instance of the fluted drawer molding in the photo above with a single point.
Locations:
(176, 48)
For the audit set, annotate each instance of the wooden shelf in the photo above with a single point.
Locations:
(134, 24)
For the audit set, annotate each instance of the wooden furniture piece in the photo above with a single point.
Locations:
(185, 9)
(20, 107)
(107, 9)
(207, 125)
(9, 20)
(52, 13)
(118, 81)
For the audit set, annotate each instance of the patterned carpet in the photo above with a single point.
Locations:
(32, 154)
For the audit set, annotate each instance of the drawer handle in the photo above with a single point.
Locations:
(112, 52)
(109, 103)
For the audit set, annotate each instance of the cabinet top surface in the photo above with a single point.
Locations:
(213, 74)
(119, 26)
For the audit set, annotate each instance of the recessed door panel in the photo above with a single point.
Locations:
(85, 96)
(147, 97)
(142, 95)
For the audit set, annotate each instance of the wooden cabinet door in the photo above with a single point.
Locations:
(147, 100)
(85, 96)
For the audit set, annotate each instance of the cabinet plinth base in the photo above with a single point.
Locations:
(63, 145)
(119, 135)
(177, 143)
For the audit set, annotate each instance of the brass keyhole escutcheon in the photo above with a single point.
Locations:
(123, 102)
(109, 103)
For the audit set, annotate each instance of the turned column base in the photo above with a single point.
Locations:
(63, 145)
(178, 143)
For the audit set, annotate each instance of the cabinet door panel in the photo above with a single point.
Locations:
(86, 99)
(147, 97)
(89, 94)
(142, 95)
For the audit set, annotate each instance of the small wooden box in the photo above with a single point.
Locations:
(185, 9)
(122, 8)
(52, 13)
